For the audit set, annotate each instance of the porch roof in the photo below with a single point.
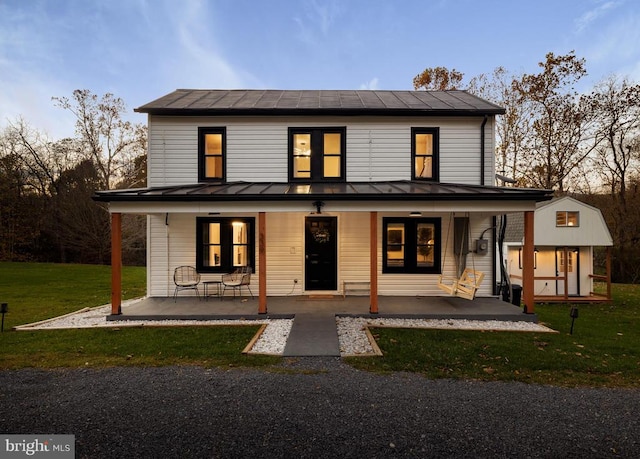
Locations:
(203, 102)
(353, 191)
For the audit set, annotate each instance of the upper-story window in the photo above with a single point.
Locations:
(212, 146)
(566, 218)
(424, 153)
(317, 154)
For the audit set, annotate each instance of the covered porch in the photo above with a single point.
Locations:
(419, 307)
(278, 206)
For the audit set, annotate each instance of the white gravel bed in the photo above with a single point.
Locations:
(273, 338)
(354, 340)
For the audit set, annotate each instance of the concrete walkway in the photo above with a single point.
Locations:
(313, 334)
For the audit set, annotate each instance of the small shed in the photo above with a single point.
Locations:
(567, 233)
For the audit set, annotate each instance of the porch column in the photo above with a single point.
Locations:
(527, 264)
(566, 273)
(116, 263)
(262, 268)
(608, 273)
(373, 263)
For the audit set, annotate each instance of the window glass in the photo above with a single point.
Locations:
(239, 244)
(332, 146)
(332, 166)
(562, 262)
(211, 244)
(425, 244)
(566, 218)
(395, 244)
(425, 144)
(211, 146)
(424, 167)
(302, 155)
(213, 166)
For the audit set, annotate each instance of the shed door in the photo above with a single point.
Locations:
(321, 253)
(573, 287)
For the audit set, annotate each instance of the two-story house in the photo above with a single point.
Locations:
(319, 188)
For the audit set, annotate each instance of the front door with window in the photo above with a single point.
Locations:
(321, 253)
(572, 271)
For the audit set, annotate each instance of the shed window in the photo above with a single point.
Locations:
(567, 218)
(424, 153)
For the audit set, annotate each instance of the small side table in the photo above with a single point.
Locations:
(208, 285)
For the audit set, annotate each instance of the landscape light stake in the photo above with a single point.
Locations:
(574, 315)
(3, 309)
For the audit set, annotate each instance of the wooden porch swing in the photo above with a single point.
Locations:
(469, 281)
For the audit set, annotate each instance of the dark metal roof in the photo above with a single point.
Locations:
(310, 102)
(350, 191)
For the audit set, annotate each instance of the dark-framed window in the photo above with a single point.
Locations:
(425, 146)
(224, 244)
(317, 154)
(212, 153)
(411, 245)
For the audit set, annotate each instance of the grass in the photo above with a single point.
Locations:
(37, 291)
(604, 349)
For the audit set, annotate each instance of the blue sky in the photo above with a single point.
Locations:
(140, 50)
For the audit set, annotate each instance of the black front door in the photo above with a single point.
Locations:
(321, 253)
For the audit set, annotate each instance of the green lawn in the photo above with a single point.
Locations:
(37, 291)
(604, 349)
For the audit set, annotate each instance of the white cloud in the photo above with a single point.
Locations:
(317, 20)
(593, 15)
(192, 55)
(371, 84)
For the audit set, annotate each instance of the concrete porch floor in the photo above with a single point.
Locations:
(190, 308)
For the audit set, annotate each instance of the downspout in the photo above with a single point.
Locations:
(482, 155)
(482, 152)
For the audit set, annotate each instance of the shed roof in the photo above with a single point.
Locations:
(308, 102)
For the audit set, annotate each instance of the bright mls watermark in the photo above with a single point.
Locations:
(49, 446)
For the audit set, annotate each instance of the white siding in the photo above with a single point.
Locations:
(592, 229)
(285, 254)
(377, 148)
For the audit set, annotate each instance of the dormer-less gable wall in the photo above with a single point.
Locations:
(377, 148)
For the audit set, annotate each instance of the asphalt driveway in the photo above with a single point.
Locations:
(313, 408)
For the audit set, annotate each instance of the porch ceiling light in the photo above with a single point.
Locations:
(415, 214)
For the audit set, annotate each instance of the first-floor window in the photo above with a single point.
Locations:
(224, 244)
(411, 245)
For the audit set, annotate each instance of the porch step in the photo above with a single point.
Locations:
(313, 334)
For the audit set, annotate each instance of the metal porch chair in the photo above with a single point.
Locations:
(236, 280)
(186, 278)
